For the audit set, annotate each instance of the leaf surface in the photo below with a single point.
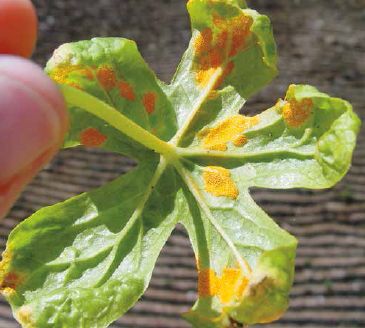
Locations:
(86, 261)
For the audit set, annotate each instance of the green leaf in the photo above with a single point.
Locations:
(86, 261)
(112, 70)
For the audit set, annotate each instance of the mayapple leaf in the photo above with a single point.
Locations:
(84, 262)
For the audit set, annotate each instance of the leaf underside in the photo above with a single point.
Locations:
(86, 261)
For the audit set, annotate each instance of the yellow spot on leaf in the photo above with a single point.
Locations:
(230, 130)
(8, 292)
(204, 76)
(296, 113)
(230, 285)
(240, 141)
(203, 41)
(24, 316)
(61, 73)
(218, 182)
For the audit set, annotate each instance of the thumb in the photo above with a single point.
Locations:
(33, 122)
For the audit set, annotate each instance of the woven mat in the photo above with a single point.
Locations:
(320, 42)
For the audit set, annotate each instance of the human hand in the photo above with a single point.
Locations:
(33, 117)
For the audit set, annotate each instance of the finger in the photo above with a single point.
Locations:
(18, 27)
(33, 122)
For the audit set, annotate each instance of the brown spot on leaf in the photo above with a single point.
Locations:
(92, 137)
(207, 283)
(213, 50)
(106, 77)
(126, 90)
(203, 41)
(296, 113)
(149, 102)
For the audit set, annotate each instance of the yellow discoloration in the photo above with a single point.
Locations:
(62, 72)
(230, 130)
(296, 113)
(24, 316)
(7, 256)
(240, 141)
(8, 292)
(218, 182)
(204, 76)
(272, 318)
(230, 285)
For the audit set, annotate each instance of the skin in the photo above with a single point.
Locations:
(32, 110)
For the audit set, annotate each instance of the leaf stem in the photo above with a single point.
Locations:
(134, 218)
(198, 152)
(114, 118)
(207, 90)
(245, 268)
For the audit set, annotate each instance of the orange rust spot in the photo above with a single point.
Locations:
(229, 130)
(126, 90)
(240, 31)
(149, 102)
(207, 283)
(296, 113)
(87, 73)
(215, 58)
(240, 141)
(204, 76)
(218, 182)
(216, 49)
(203, 41)
(11, 280)
(106, 77)
(231, 284)
(74, 85)
(62, 73)
(222, 40)
(92, 137)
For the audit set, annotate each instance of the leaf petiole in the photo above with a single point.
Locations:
(110, 115)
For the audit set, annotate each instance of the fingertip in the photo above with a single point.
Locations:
(32, 126)
(32, 76)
